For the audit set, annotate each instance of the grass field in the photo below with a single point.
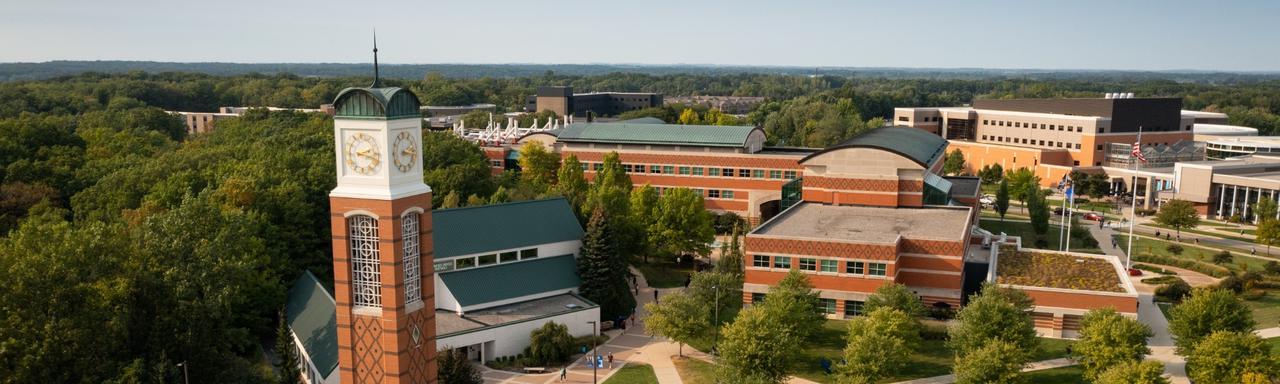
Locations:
(634, 374)
(1065, 375)
(1275, 344)
(1247, 239)
(1092, 206)
(1023, 230)
(931, 358)
(1190, 252)
(1266, 309)
(694, 371)
(664, 275)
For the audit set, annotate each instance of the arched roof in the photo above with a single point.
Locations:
(916, 144)
(376, 103)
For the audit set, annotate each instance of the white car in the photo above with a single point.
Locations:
(986, 200)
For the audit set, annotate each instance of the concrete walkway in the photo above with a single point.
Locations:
(1161, 343)
(630, 346)
(1268, 333)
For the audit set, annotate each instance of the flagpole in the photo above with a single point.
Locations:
(1063, 222)
(1071, 207)
(1133, 209)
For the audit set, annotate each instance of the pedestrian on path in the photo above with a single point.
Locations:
(655, 295)
(563, 372)
(610, 360)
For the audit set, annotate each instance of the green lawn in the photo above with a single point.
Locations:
(1275, 344)
(694, 371)
(1065, 375)
(1266, 309)
(664, 275)
(1164, 308)
(1203, 233)
(1023, 230)
(932, 358)
(634, 374)
(1189, 252)
(1092, 206)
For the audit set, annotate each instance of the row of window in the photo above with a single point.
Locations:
(1051, 127)
(776, 174)
(821, 265)
(1042, 143)
(825, 306)
(483, 260)
(922, 119)
(366, 271)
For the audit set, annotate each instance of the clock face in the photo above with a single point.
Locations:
(362, 154)
(404, 152)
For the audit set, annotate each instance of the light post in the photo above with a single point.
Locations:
(715, 340)
(594, 363)
(185, 379)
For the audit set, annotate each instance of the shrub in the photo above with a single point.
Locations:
(1222, 257)
(1174, 292)
(1273, 268)
(1160, 280)
(1232, 283)
(1205, 268)
(550, 344)
(1152, 268)
(1175, 249)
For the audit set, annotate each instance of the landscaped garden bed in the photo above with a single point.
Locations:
(1050, 270)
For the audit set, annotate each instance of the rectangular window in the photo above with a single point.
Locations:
(597, 166)
(464, 263)
(697, 171)
(789, 175)
(854, 267)
(827, 306)
(585, 166)
(726, 172)
(507, 257)
(808, 264)
(713, 193)
(529, 253)
(669, 169)
(782, 262)
(744, 173)
(655, 169)
(761, 261)
(877, 269)
(726, 194)
(757, 298)
(1035, 125)
(488, 259)
(829, 265)
(684, 170)
(713, 171)
(852, 308)
(1077, 145)
(775, 174)
(626, 168)
(902, 118)
(1017, 124)
(698, 191)
(984, 122)
(757, 173)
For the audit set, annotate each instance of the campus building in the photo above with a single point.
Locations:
(563, 101)
(202, 122)
(873, 211)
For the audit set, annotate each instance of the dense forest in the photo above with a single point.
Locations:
(129, 247)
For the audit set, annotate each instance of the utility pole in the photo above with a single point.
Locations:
(594, 364)
(185, 378)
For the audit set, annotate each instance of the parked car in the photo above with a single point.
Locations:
(1092, 216)
(986, 201)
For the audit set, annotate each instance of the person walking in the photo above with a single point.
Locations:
(610, 360)
(655, 295)
(564, 371)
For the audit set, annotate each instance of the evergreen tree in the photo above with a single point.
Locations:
(1039, 211)
(455, 368)
(1002, 199)
(287, 353)
(603, 271)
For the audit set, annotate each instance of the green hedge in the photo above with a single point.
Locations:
(1205, 268)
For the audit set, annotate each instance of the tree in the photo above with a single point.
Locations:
(1002, 199)
(454, 367)
(287, 353)
(644, 213)
(996, 313)
(1264, 209)
(954, 163)
(451, 200)
(538, 166)
(689, 116)
(683, 223)
(1178, 214)
(1227, 356)
(500, 196)
(895, 296)
(602, 271)
(453, 164)
(550, 344)
(795, 302)
(1039, 212)
(1108, 339)
(1204, 312)
(571, 183)
(1175, 291)
(710, 288)
(991, 173)
(1268, 233)
(611, 191)
(731, 258)
(680, 317)
(1134, 372)
(475, 200)
(1022, 183)
(1223, 257)
(878, 345)
(756, 348)
(994, 362)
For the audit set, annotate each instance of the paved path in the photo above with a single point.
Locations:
(632, 345)
(1036, 366)
(1161, 343)
(1268, 333)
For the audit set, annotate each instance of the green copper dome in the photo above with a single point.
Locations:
(376, 103)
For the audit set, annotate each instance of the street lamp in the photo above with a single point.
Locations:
(716, 339)
(594, 363)
(185, 379)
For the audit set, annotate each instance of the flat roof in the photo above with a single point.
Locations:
(661, 134)
(1056, 270)
(449, 323)
(867, 224)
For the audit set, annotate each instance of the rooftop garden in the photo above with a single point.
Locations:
(1052, 270)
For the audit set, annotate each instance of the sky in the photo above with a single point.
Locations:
(1030, 34)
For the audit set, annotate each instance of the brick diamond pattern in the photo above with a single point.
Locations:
(933, 247)
(910, 186)
(844, 184)
(420, 356)
(721, 161)
(366, 334)
(822, 248)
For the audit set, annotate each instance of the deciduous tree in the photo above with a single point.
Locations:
(1134, 372)
(1204, 312)
(1228, 356)
(680, 316)
(994, 362)
(1022, 183)
(995, 314)
(455, 367)
(895, 296)
(683, 224)
(954, 163)
(538, 166)
(1108, 339)
(1178, 214)
(550, 344)
(571, 183)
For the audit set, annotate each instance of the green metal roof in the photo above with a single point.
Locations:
(476, 286)
(643, 120)
(487, 228)
(666, 134)
(376, 103)
(916, 144)
(312, 315)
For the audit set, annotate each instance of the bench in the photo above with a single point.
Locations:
(535, 369)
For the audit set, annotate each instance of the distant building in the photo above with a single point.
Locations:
(204, 122)
(734, 105)
(563, 101)
(454, 110)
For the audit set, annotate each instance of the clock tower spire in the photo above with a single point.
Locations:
(382, 250)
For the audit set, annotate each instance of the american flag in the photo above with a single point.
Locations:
(1137, 152)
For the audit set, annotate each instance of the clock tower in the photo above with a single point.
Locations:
(382, 250)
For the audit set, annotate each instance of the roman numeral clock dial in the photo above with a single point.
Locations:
(362, 154)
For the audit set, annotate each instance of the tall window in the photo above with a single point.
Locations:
(412, 258)
(366, 281)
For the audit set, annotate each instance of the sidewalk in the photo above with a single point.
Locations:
(1035, 366)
